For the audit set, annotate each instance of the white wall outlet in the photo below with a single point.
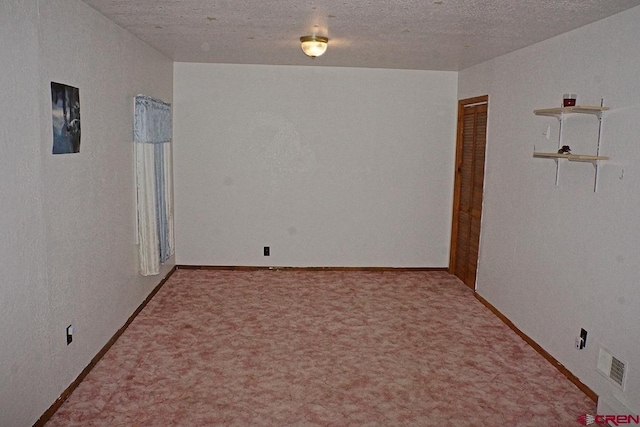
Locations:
(70, 331)
(581, 341)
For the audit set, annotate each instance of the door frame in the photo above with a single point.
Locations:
(484, 99)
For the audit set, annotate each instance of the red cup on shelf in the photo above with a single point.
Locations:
(569, 99)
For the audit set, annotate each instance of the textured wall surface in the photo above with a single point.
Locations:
(24, 307)
(557, 259)
(327, 166)
(69, 239)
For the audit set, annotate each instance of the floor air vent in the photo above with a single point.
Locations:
(612, 367)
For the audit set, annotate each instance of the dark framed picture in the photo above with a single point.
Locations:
(65, 106)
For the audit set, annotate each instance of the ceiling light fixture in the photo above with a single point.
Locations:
(313, 45)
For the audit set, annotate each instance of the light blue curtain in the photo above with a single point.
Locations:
(152, 135)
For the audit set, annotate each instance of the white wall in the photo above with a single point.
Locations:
(327, 166)
(69, 245)
(24, 305)
(555, 259)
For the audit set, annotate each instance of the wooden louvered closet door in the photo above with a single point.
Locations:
(469, 182)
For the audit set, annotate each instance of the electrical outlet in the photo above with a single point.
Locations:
(581, 341)
(267, 251)
(70, 331)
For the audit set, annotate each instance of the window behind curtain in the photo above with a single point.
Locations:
(152, 137)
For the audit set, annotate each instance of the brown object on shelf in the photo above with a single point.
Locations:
(569, 99)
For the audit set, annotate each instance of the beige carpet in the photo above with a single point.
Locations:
(320, 348)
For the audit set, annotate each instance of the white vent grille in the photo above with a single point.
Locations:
(612, 367)
(617, 370)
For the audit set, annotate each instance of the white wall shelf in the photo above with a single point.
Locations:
(578, 109)
(570, 157)
(560, 113)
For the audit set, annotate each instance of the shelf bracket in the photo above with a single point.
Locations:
(596, 164)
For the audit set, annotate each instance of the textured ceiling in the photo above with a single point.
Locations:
(405, 34)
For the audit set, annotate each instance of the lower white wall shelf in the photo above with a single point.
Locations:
(570, 157)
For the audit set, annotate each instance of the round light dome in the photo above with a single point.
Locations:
(313, 45)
